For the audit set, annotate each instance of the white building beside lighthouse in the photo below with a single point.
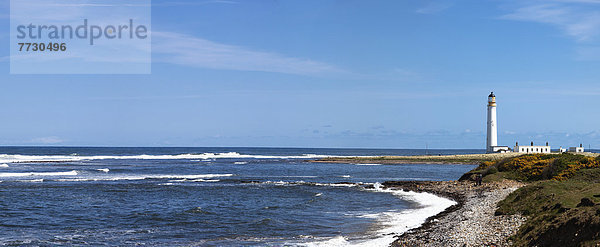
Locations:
(492, 128)
(533, 149)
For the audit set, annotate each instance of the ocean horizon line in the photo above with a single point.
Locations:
(257, 147)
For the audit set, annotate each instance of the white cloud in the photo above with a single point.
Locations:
(402, 75)
(181, 3)
(87, 5)
(196, 2)
(578, 1)
(434, 7)
(197, 52)
(579, 19)
(47, 140)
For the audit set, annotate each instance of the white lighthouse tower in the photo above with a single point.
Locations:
(492, 124)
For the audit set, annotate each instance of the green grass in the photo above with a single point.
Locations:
(553, 199)
(554, 218)
(499, 176)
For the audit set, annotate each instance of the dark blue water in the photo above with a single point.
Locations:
(197, 196)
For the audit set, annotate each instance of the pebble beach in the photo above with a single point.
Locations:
(471, 222)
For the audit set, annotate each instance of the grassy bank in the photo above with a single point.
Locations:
(561, 200)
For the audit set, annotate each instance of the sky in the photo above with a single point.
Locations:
(326, 73)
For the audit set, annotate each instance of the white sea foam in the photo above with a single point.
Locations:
(367, 164)
(393, 223)
(71, 179)
(400, 222)
(13, 158)
(278, 176)
(283, 182)
(205, 180)
(286, 183)
(240, 163)
(103, 169)
(4, 165)
(31, 180)
(40, 174)
(177, 182)
(178, 178)
(336, 185)
(192, 176)
(296, 176)
(194, 180)
(345, 176)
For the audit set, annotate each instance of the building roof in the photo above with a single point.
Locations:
(492, 94)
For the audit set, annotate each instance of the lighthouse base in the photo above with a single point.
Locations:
(498, 149)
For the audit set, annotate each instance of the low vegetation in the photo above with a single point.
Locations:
(535, 167)
(561, 200)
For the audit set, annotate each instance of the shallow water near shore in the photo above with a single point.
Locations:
(208, 196)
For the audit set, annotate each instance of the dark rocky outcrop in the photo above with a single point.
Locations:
(586, 202)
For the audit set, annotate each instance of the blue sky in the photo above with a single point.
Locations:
(387, 74)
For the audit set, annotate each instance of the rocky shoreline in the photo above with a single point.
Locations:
(471, 222)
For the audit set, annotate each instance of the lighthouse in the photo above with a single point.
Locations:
(492, 124)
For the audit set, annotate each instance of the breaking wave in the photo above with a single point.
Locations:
(37, 174)
(16, 158)
(193, 178)
(287, 183)
(393, 223)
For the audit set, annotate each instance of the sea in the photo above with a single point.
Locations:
(199, 196)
